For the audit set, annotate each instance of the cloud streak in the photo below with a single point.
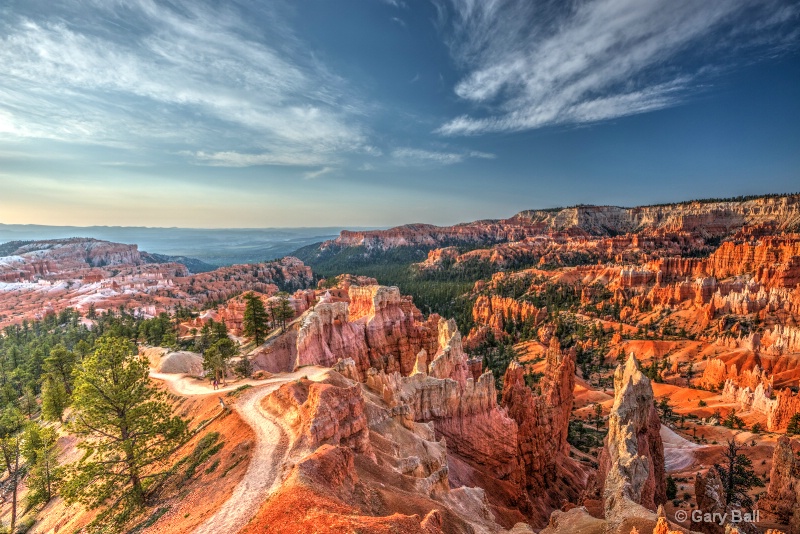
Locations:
(534, 64)
(311, 175)
(188, 76)
(412, 157)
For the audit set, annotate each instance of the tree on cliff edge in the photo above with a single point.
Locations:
(282, 311)
(254, 322)
(127, 427)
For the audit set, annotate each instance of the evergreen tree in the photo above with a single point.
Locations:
(665, 409)
(598, 414)
(283, 311)
(672, 488)
(202, 344)
(59, 365)
(244, 367)
(127, 425)
(54, 399)
(28, 401)
(216, 359)
(41, 455)
(794, 425)
(689, 374)
(733, 420)
(254, 322)
(737, 475)
(82, 348)
(219, 331)
(11, 422)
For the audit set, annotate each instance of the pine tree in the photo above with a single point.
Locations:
(59, 364)
(794, 425)
(216, 359)
(598, 414)
(202, 344)
(254, 322)
(11, 422)
(54, 399)
(665, 410)
(28, 401)
(127, 425)
(41, 455)
(733, 420)
(737, 476)
(283, 310)
(244, 367)
(672, 488)
(219, 331)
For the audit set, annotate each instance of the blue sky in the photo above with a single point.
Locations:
(209, 113)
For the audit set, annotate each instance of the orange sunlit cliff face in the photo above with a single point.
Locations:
(598, 368)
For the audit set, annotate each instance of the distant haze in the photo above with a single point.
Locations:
(214, 246)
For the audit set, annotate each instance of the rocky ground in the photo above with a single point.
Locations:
(46, 277)
(614, 350)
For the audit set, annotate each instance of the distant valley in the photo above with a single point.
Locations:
(213, 246)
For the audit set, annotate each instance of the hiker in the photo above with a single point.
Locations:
(215, 384)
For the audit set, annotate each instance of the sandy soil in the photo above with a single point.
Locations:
(272, 443)
(678, 451)
(261, 478)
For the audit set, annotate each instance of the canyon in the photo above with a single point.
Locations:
(40, 278)
(585, 378)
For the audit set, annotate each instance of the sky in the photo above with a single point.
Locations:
(287, 113)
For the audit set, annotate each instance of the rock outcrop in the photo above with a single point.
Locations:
(752, 390)
(709, 219)
(362, 464)
(418, 368)
(323, 414)
(496, 312)
(481, 438)
(376, 327)
(183, 362)
(543, 423)
(782, 501)
(632, 460)
(710, 496)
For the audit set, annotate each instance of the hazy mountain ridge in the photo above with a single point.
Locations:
(211, 246)
(14, 248)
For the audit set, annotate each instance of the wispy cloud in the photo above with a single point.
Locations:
(395, 3)
(232, 158)
(186, 75)
(420, 157)
(532, 64)
(310, 175)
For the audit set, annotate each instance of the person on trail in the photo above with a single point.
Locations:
(215, 384)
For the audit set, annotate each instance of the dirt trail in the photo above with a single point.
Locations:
(187, 385)
(261, 477)
(272, 445)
